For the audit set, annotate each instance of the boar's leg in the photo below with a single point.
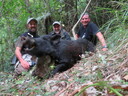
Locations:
(61, 68)
(43, 66)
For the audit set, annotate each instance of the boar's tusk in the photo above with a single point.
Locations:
(29, 49)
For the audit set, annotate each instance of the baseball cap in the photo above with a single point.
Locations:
(56, 22)
(30, 19)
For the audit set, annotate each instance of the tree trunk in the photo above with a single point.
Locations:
(27, 6)
(71, 13)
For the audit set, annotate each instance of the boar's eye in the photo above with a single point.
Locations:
(30, 43)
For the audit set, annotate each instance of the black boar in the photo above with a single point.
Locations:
(64, 52)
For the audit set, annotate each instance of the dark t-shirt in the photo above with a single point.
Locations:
(63, 33)
(89, 32)
(30, 34)
(20, 42)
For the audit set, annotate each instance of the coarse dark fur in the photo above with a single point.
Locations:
(64, 52)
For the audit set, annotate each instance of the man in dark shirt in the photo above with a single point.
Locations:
(25, 61)
(90, 31)
(57, 29)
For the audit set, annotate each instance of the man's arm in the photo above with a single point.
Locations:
(18, 54)
(76, 36)
(68, 36)
(102, 40)
(65, 35)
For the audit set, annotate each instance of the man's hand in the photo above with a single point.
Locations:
(25, 64)
(102, 40)
(104, 49)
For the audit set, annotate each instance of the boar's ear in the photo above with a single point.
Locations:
(55, 39)
(24, 39)
(30, 44)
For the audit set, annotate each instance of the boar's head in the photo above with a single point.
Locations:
(43, 45)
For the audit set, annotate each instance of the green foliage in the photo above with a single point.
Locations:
(101, 84)
(57, 10)
(115, 29)
(14, 13)
(111, 16)
(24, 85)
(118, 38)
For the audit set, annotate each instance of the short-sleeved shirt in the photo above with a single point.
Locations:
(30, 34)
(89, 32)
(20, 42)
(64, 35)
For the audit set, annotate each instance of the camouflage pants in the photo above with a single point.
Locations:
(30, 59)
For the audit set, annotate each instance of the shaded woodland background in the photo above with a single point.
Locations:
(109, 15)
(103, 74)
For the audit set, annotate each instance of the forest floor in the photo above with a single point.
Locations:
(102, 74)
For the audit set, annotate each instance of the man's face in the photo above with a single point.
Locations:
(57, 28)
(32, 26)
(85, 20)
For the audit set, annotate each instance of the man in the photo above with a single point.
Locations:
(25, 61)
(57, 29)
(90, 31)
